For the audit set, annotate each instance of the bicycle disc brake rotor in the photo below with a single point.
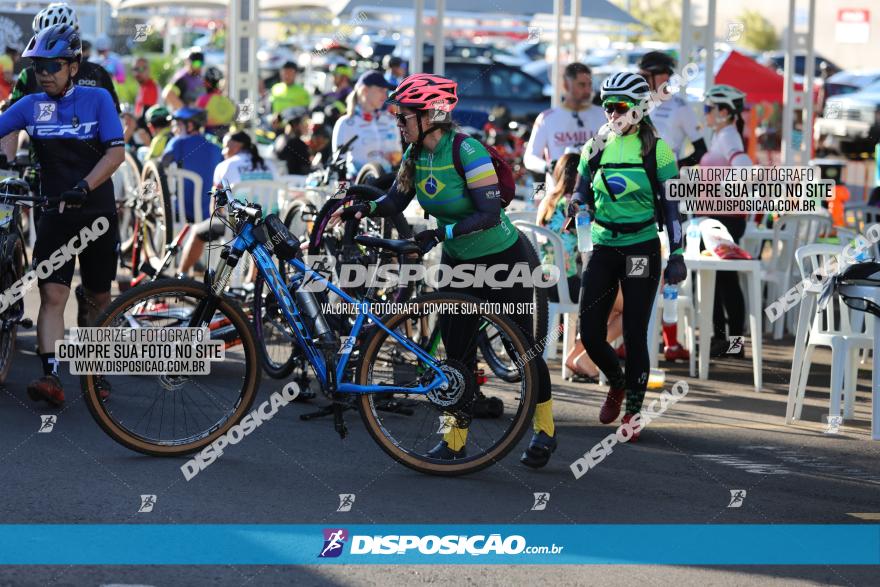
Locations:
(462, 385)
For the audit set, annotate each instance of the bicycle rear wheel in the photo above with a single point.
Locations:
(446, 415)
(166, 415)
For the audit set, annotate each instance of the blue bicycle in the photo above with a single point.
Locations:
(394, 356)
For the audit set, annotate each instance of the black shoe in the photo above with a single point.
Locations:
(444, 453)
(539, 451)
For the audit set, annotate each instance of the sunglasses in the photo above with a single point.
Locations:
(619, 107)
(48, 66)
(401, 118)
(707, 108)
(578, 119)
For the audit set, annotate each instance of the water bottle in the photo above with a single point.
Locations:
(585, 238)
(315, 320)
(670, 304)
(692, 240)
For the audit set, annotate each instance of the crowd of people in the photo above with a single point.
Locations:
(192, 124)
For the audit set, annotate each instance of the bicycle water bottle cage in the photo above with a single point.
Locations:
(279, 240)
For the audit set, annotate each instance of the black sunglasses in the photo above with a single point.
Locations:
(578, 118)
(402, 118)
(47, 66)
(619, 107)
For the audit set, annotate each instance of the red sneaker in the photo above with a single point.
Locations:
(636, 430)
(611, 408)
(47, 388)
(676, 353)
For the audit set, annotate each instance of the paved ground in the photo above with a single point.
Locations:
(721, 437)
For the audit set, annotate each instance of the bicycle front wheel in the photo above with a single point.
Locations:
(409, 434)
(166, 415)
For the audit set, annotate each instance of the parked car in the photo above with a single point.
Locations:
(483, 84)
(776, 60)
(845, 124)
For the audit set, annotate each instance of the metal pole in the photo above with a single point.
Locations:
(416, 62)
(439, 41)
(99, 18)
(686, 39)
(558, 11)
(788, 88)
(810, 71)
(575, 27)
(710, 46)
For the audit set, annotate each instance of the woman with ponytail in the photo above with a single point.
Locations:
(241, 161)
(620, 182)
(723, 107)
(473, 228)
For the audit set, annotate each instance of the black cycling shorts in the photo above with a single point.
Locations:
(61, 238)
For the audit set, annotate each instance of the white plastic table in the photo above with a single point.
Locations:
(706, 267)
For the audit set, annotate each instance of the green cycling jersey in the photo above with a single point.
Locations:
(633, 196)
(444, 194)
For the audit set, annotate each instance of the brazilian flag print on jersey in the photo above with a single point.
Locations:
(633, 199)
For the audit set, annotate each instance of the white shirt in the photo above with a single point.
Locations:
(726, 149)
(377, 138)
(676, 121)
(554, 130)
(239, 168)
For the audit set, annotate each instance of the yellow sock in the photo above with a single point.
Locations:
(456, 438)
(543, 419)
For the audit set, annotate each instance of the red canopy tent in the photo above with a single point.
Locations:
(761, 84)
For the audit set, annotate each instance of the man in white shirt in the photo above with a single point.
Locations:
(675, 120)
(568, 126)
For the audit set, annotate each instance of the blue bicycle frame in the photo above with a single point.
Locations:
(246, 242)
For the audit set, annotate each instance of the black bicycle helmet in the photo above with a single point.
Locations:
(657, 62)
(856, 277)
(213, 75)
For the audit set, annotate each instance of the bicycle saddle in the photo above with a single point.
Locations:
(401, 247)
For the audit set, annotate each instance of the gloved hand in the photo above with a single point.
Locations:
(676, 271)
(357, 207)
(75, 198)
(428, 239)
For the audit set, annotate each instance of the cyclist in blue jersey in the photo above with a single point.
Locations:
(77, 139)
(190, 150)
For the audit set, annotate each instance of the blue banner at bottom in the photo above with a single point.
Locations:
(660, 544)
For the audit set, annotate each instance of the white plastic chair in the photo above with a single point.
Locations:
(789, 233)
(566, 307)
(830, 327)
(522, 216)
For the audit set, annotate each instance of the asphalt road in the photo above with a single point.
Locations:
(721, 437)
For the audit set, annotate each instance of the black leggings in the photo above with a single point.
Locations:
(728, 295)
(635, 268)
(459, 332)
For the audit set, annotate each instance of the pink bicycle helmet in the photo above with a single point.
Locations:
(425, 91)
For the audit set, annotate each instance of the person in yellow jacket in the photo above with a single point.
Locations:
(287, 93)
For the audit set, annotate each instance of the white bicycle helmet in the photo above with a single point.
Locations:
(55, 13)
(626, 85)
(724, 95)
